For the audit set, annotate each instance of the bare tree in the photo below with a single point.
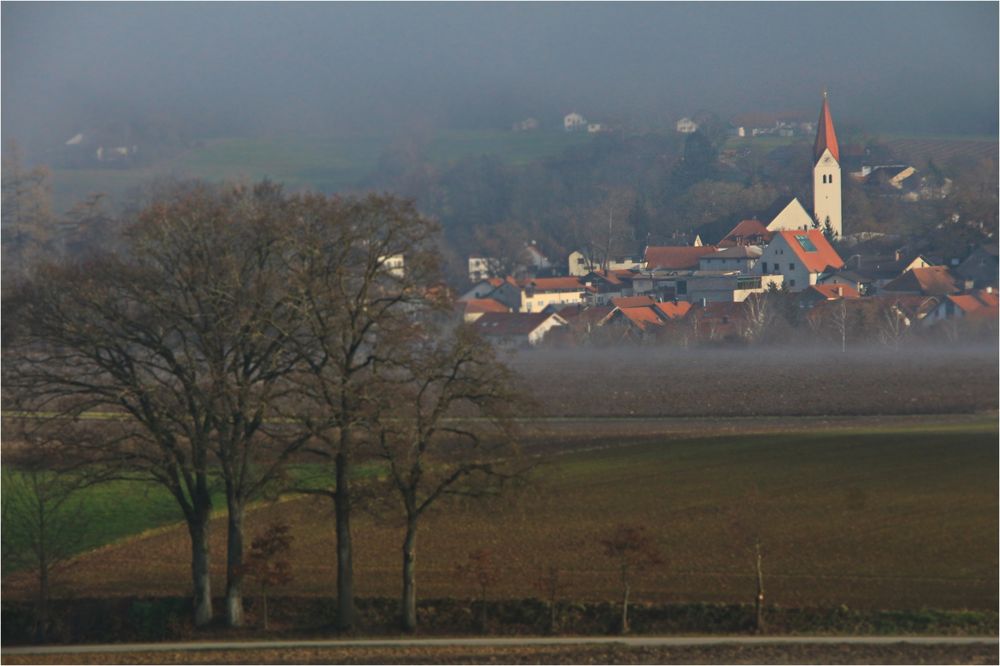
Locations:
(840, 322)
(480, 569)
(759, 316)
(180, 342)
(344, 265)
(266, 563)
(632, 550)
(26, 209)
(893, 325)
(444, 429)
(603, 232)
(746, 526)
(549, 583)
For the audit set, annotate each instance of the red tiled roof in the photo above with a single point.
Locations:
(746, 229)
(930, 281)
(834, 291)
(817, 260)
(554, 284)
(676, 257)
(826, 137)
(497, 282)
(674, 310)
(979, 304)
(485, 305)
(642, 317)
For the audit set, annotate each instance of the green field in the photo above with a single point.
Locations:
(324, 163)
(875, 518)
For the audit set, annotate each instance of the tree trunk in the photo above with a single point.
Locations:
(263, 599)
(42, 608)
(345, 567)
(552, 616)
(759, 601)
(409, 609)
(625, 611)
(234, 564)
(198, 529)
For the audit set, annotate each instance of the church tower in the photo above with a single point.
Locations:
(826, 173)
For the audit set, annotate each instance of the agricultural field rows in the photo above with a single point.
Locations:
(323, 163)
(890, 518)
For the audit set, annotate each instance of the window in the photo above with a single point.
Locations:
(791, 283)
(791, 267)
(830, 177)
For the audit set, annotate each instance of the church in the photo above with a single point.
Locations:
(826, 185)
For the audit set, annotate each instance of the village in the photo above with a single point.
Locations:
(784, 266)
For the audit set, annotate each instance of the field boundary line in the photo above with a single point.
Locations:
(632, 641)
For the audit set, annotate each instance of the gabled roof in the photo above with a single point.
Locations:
(672, 310)
(641, 317)
(675, 257)
(499, 282)
(831, 292)
(979, 304)
(554, 284)
(511, 323)
(914, 306)
(929, 281)
(576, 314)
(813, 249)
(484, 305)
(744, 231)
(826, 137)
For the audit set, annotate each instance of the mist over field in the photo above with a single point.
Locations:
(761, 382)
(235, 68)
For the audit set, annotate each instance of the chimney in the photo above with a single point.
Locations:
(989, 290)
(840, 290)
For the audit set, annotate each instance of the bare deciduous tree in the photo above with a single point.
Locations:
(632, 550)
(444, 428)
(351, 289)
(180, 342)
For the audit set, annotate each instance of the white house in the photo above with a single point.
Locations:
(574, 121)
(539, 293)
(517, 329)
(578, 264)
(740, 258)
(481, 268)
(800, 257)
(687, 126)
(793, 217)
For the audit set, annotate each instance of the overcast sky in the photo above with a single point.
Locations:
(318, 67)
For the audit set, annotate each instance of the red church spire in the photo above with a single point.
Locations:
(825, 136)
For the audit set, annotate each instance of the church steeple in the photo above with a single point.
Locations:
(826, 137)
(827, 209)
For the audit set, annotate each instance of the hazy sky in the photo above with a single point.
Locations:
(318, 67)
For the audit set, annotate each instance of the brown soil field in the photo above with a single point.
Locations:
(721, 654)
(760, 382)
(893, 519)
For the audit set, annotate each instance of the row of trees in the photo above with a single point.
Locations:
(239, 329)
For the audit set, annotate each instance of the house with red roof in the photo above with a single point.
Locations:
(540, 293)
(800, 257)
(981, 305)
(747, 232)
(820, 293)
(474, 308)
(505, 290)
(926, 281)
